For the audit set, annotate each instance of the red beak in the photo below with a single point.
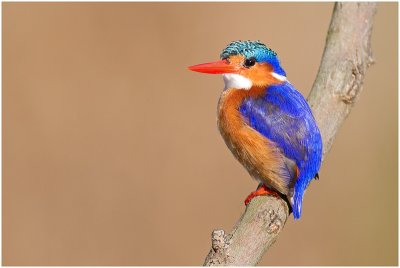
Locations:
(217, 67)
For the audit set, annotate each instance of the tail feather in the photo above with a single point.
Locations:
(297, 204)
(297, 200)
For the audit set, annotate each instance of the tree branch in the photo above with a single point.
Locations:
(346, 57)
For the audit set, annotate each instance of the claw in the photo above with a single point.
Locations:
(262, 190)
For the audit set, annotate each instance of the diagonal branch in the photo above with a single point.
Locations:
(346, 58)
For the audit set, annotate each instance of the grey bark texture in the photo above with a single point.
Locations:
(346, 58)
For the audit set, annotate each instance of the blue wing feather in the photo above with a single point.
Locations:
(283, 116)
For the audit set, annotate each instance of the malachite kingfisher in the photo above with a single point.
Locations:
(266, 123)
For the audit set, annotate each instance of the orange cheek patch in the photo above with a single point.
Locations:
(260, 75)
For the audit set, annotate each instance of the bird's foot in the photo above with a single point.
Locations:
(262, 190)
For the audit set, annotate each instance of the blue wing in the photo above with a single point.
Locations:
(283, 116)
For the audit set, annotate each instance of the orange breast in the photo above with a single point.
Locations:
(256, 153)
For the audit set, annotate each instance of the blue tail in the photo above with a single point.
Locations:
(297, 205)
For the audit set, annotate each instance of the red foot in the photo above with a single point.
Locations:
(263, 190)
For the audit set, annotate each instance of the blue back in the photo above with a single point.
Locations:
(283, 116)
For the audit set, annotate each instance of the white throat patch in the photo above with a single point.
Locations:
(236, 81)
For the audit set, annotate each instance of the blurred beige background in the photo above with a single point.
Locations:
(111, 154)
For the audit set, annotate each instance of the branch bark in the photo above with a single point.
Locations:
(346, 58)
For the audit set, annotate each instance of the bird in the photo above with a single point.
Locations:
(265, 122)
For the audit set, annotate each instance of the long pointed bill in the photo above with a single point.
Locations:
(217, 67)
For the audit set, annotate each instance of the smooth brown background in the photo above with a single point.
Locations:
(111, 155)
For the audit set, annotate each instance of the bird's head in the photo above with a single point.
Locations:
(245, 64)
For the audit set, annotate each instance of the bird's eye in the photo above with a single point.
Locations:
(249, 62)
